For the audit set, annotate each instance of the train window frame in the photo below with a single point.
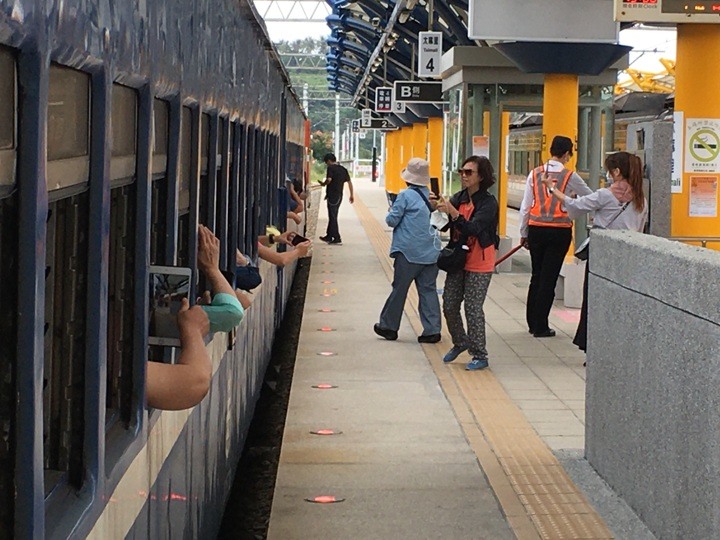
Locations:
(160, 189)
(123, 164)
(10, 238)
(8, 98)
(69, 174)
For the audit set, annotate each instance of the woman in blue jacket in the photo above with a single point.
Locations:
(415, 248)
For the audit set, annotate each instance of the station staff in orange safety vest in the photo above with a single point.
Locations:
(546, 230)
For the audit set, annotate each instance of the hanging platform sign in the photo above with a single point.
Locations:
(429, 54)
(418, 92)
(365, 117)
(380, 123)
(383, 99)
(667, 11)
(355, 126)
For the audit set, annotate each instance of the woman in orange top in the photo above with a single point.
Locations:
(474, 216)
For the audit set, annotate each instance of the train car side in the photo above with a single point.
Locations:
(122, 127)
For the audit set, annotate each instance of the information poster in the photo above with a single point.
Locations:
(481, 145)
(702, 145)
(703, 196)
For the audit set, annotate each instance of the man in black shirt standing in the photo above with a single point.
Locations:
(337, 175)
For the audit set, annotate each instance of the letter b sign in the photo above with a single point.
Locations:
(405, 92)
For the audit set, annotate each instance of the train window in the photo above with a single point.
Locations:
(121, 294)
(239, 152)
(161, 131)
(204, 216)
(159, 203)
(221, 186)
(124, 129)
(183, 245)
(68, 129)
(121, 304)
(7, 121)
(65, 339)
(8, 287)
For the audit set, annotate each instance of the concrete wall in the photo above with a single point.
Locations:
(653, 379)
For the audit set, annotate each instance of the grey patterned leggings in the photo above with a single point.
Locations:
(471, 287)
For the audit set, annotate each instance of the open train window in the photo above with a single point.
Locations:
(121, 286)
(68, 131)
(159, 202)
(8, 285)
(251, 181)
(183, 245)
(65, 339)
(239, 152)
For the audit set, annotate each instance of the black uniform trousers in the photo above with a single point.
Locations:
(548, 247)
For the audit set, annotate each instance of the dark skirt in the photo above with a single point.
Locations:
(581, 332)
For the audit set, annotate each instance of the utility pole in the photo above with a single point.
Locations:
(337, 124)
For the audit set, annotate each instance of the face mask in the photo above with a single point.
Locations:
(609, 177)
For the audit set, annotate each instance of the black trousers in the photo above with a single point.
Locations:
(333, 206)
(548, 247)
(581, 332)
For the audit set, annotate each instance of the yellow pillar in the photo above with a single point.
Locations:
(696, 84)
(503, 175)
(419, 142)
(435, 150)
(560, 111)
(392, 172)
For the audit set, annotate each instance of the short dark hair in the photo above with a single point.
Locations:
(484, 168)
(560, 145)
(329, 157)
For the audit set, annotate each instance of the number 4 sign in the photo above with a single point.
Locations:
(430, 52)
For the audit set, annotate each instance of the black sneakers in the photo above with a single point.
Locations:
(388, 334)
(329, 240)
(432, 338)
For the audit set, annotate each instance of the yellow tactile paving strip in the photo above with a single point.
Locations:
(537, 496)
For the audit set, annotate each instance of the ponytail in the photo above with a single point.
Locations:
(631, 170)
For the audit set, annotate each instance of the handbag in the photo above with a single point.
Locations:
(453, 256)
(583, 250)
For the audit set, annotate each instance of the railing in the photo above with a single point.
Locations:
(703, 240)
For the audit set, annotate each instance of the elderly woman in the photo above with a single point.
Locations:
(621, 208)
(474, 217)
(415, 248)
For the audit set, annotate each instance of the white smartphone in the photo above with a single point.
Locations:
(168, 286)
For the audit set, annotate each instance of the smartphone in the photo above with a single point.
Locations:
(435, 186)
(168, 286)
(297, 239)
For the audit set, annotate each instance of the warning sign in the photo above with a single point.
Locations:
(702, 150)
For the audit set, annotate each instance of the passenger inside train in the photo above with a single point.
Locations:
(184, 384)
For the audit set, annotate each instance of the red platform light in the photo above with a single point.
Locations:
(325, 499)
(326, 329)
(327, 353)
(326, 310)
(324, 386)
(327, 281)
(325, 431)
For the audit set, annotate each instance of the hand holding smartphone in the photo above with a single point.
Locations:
(297, 239)
(435, 186)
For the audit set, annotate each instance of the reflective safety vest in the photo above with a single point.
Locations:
(546, 210)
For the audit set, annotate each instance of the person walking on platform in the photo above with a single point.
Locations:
(546, 230)
(415, 248)
(620, 207)
(336, 177)
(474, 216)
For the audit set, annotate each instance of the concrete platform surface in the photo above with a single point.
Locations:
(428, 450)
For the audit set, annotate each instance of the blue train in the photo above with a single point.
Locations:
(122, 126)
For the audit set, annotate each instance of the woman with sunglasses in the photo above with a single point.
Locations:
(621, 206)
(474, 215)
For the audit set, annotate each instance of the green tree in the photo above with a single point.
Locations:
(321, 143)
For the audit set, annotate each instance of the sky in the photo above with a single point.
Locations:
(649, 44)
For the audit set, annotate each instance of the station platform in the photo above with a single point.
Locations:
(422, 449)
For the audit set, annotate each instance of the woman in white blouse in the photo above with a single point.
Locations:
(629, 212)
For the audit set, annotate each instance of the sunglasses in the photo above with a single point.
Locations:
(466, 172)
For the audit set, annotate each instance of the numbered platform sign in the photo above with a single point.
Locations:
(383, 99)
(429, 54)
